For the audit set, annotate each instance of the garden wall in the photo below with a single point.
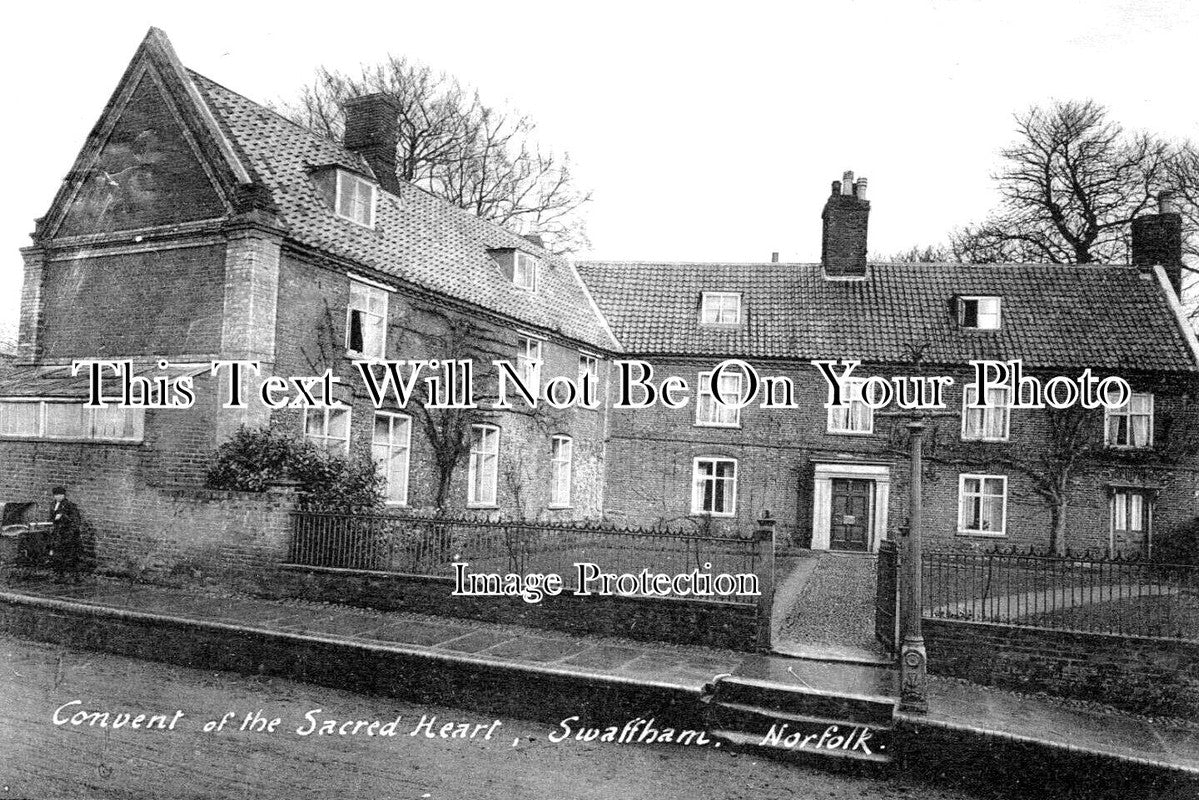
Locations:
(696, 622)
(1141, 674)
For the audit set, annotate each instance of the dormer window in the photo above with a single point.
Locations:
(355, 199)
(980, 313)
(720, 308)
(524, 271)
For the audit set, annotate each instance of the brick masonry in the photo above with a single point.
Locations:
(695, 622)
(1140, 674)
(650, 453)
(165, 302)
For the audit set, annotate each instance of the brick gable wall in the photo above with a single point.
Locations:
(165, 302)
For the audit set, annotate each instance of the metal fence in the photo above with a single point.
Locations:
(1129, 596)
(421, 545)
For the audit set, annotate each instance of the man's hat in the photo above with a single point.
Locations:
(58, 490)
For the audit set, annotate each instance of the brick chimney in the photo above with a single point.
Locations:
(372, 130)
(1157, 239)
(846, 212)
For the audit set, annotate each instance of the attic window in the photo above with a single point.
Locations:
(981, 313)
(355, 199)
(524, 271)
(720, 308)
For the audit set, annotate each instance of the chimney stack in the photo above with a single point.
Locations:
(372, 131)
(846, 213)
(1157, 239)
(774, 257)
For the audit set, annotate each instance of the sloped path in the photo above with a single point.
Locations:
(824, 608)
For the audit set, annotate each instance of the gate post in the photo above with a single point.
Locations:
(764, 544)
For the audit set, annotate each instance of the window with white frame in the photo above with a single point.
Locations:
(524, 270)
(484, 465)
(366, 320)
(561, 461)
(720, 308)
(589, 369)
(708, 411)
(1130, 425)
(390, 446)
(355, 199)
(328, 428)
(982, 504)
(714, 487)
(528, 362)
(988, 424)
(854, 416)
(1130, 510)
(65, 419)
(982, 313)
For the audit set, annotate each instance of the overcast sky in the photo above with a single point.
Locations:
(706, 132)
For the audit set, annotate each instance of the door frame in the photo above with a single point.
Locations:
(822, 500)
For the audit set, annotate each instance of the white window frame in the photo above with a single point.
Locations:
(530, 263)
(980, 299)
(838, 420)
(1122, 509)
(390, 447)
(529, 359)
(1126, 411)
(982, 479)
(589, 365)
(324, 439)
(355, 181)
(561, 471)
(91, 432)
(708, 412)
(478, 457)
(370, 292)
(982, 415)
(698, 482)
(715, 308)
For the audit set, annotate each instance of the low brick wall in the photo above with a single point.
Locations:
(197, 535)
(697, 622)
(1137, 673)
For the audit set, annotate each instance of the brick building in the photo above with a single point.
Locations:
(837, 478)
(197, 225)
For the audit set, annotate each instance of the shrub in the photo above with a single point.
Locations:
(1179, 546)
(254, 458)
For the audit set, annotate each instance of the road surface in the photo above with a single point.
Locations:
(153, 743)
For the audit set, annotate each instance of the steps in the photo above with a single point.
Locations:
(800, 721)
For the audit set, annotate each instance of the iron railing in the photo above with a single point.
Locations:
(431, 545)
(1128, 596)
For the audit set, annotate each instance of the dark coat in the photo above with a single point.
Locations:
(66, 536)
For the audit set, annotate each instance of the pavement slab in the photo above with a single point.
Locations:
(419, 633)
(604, 656)
(539, 649)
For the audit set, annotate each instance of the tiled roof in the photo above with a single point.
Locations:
(1103, 317)
(56, 381)
(417, 238)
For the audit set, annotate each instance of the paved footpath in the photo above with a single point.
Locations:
(955, 707)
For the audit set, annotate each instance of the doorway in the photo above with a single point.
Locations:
(849, 510)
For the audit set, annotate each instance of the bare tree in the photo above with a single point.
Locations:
(446, 336)
(1071, 183)
(483, 158)
(920, 254)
